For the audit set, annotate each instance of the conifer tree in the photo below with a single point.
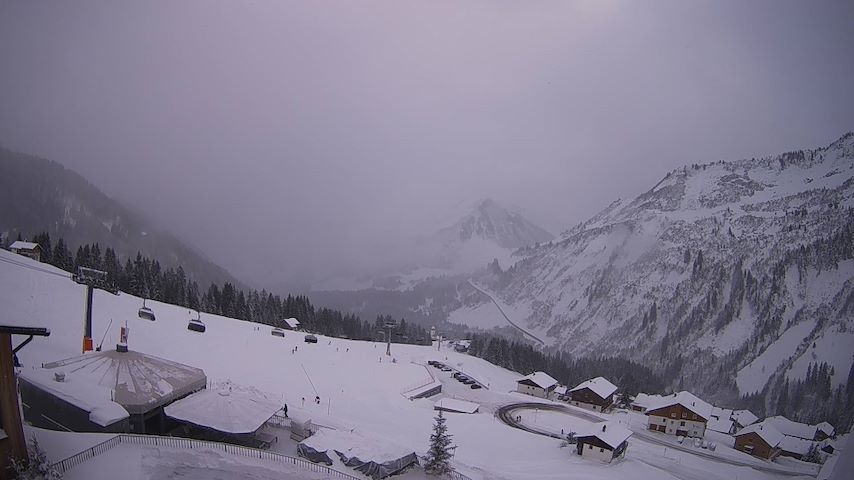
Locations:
(438, 459)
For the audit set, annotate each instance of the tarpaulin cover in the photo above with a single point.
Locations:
(379, 470)
(313, 455)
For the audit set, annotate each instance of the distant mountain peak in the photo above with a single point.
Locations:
(495, 223)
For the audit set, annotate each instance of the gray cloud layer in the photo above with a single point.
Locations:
(286, 139)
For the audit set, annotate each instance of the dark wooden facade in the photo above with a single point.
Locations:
(14, 445)
(678, 412)
(753, 444)
(585, 395)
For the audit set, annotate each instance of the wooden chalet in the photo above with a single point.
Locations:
(681, 414)
(596, 394)
(27, 249)
(760, 440)
(605, 442)
(538, 384)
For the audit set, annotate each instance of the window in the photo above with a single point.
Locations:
(589, 446)
(601, 450)
(684, 414)
(673, 414)
(682, 424)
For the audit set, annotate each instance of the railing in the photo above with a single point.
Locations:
(74, 460)
(422, 383)
(178, 442)
(455, 475)
(279, 421)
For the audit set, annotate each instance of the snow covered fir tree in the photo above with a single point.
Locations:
(438, 458)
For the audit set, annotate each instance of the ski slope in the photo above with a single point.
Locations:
(359, 387)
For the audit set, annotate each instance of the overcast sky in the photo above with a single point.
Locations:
(288, 138)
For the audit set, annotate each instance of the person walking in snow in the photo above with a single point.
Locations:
(285, 410)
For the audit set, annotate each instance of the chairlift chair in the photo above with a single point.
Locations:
(277, 332)
(146, 313)
(196, 324)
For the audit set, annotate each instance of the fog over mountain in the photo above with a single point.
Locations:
(293, 141)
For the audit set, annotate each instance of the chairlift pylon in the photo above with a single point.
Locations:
(146, 313)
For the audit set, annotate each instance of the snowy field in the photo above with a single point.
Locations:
(359, 387)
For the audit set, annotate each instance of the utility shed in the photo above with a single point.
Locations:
(456, 406)
(141, 384)
(605, 441)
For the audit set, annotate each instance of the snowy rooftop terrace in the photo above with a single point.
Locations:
(139, 382)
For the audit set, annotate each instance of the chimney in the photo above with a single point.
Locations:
(59, 376)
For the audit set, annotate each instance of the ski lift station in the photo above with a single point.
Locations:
(107, 391)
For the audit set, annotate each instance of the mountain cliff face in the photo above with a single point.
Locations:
(39, 195)
(727, 277)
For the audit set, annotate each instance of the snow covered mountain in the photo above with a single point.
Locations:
(485, 232)
(493, 222)
(727, 277)
(39, 195)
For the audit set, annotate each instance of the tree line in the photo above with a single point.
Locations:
(145, 277)
(521, 357)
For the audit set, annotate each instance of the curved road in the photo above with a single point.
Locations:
(498, 306)
(505, 414)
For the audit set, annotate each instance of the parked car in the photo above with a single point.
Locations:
(680, 439)
(310, 338)
(446, 369)
(698, 443)
(475, 387)
(468, 381)
(713, 446)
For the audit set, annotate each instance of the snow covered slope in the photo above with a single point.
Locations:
(706, 272)
(358, 392)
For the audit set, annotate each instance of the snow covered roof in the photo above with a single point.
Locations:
(94, 399)
(540, 379)
(687, 400)
(353, 444)
(599, 385)
(20, 245)
(795, 445)
(826, 428)
(455, 405)
(612, 433)
(744, 417)
(723, 425)
(766, 431)
(722, 413)
(792, 428)
(227, 409)
(292, 322)
(140, 382)
(644, 400)
(561, 390)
